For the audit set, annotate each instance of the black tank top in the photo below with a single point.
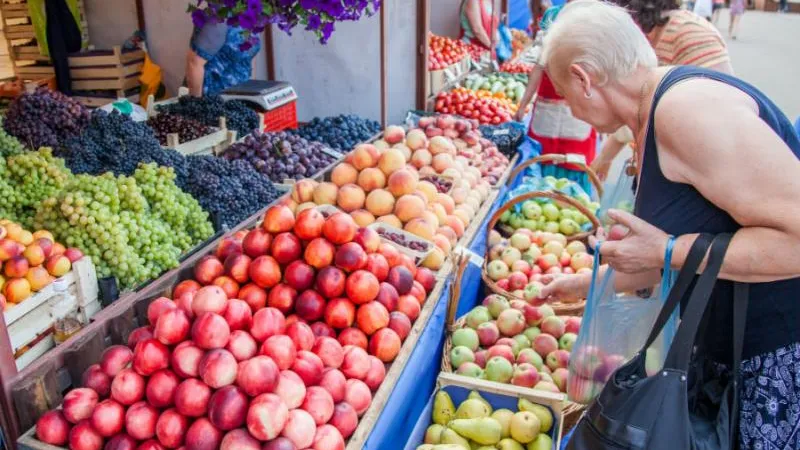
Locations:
(773, 317)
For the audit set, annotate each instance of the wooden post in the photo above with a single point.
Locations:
(140, 16)
(423, 24)
(384, 63)
(269, 52)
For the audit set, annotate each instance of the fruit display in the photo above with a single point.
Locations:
(341, 132)
(279, 342)
(382, 183)
(506, 136)
(29, 261)
(444, 51)
(209, 108)
(476, 52)
(282, 156)
(544, 214)
(512, 86)
(591, 368)
(45, 118)
(466, 103)
(516, 264)
(9, 145)
(520, 41)
(516, 67)
(518, 342)
(187, 129)
(475, 424)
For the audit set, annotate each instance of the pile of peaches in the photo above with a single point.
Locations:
(29, 262)
(277, 343)
(430, 182)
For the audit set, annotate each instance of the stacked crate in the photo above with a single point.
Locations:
(102, 76)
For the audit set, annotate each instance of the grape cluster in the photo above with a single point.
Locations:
(231, 189)
(45, 118)
(187, 129)
(113, 142)
(9, 145)
(133, 228)
(281, 156)
(208, 109)
(442, 185)
(28, 179)
(341, 132)
(401, 240)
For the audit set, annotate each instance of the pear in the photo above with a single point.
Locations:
(524, 427)
(504, 417)
(472, 408)
(509, 444)
(484, 430)
(451, 437)
(477, 396)
(433, 435)
(486, 447)
(544, 414)
(443, 408)
(542, 442)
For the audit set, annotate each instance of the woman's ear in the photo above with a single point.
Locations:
(582, 77)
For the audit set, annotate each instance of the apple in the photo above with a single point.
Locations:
(572, 325)
(497, 269)
(587, 360)
(511, 322)
(529, 356)
(499, 369)
(504, 351)
(557, 359)
(553, 326)
(544, 344)
(567, 341)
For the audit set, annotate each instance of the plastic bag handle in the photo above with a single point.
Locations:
(685, 278)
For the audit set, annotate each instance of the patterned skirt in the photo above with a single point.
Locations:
(770, 402)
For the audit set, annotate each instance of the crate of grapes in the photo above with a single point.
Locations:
(409, 244)
(190, 137)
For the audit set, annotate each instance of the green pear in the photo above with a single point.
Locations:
(484, 430)
(477, 396)
(433, 435)
(524, 427)
(486, 447)
(542, 442)
(443, 408)
(544, 414)
(451, 437)
(509, 444)
(504, 417)
(472, 408)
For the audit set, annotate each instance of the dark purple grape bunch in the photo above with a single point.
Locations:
(442, 185)
(187, 129)
(45, 118)
(401, 240)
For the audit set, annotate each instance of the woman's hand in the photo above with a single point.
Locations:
(641, 250)
(601, 168)
(565, 288)
(520, 114)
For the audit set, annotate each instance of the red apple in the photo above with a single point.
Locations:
(210, 331)
(353, 336)
(171, 428)
(281, 349)
(186, 359)
(256, 243)
(160, 390)
(191, 398)
(127, 387)
(149, 357)
(203, 435)
(286, 247)
(340, 313)
(299, 275)
(208, 269)
(319, 253)
(265, 272)
(378, 266)
(52, 428)
(95, 379)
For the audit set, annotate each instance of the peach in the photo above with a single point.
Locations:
(356, 362)
(258, 375)
(350, 198)
(401, 182)
(334, 382)
(394, 134)
(38, 278)
(301, 334)
(364, 156)
(228, 246)
(300, 428)
(442, 243)
(207, 269)
(34, 254)
(372, 317)
(186, 359)
(52, 428)
(84, 437)
(446, 201)
(9, 249)
(329, 350)
(160, 390)
(172, 327)
(16, 267)
(218, 368)
(158, 307)
(409, 305)
(171, 428)
(150, 356)
(203, 435)
(278, 219)
(339, 313)
(238, 315)
(385, 344)
(343, 174)
(114, 359)
(191, 398)
(227, 408)
(239, 440)
(442, 162)
(328, 437)
(319, 253)
(139, 334)
(378, 266)
(79, 404)
(185, 286)
(362, 217)
(257, 242)
(309, 224)
(353, 336)
(358, 395)
(371, 179)
(391, 160)
(456, 224)
(254, 296)
(211, 331)
(140, 421)
(237, 266)
(421, 228)
(380, 202)
(416, 139)
(95, 379)
(291, 389)
(391, 220)
(345, 419)
(325, 193)
(421, 158)
(281, 349)
(376, 373)
(428, 189)
(362, 287)
(409, 207)
(448, 233)
(124, 442)
(319, 403)
(303, 190)
(17, 290)
(400, 324)
(242, 345)
(339, 229)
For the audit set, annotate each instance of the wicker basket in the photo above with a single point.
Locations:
(559, 159)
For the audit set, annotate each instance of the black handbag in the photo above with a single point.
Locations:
(676, 408)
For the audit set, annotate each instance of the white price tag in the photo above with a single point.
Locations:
(502, 132)
(474, 258)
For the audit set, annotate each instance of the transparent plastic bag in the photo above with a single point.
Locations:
(619, 195)
(613, 329)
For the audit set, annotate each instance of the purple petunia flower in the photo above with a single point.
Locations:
(230, 3)
(199, 18)
(327, 30)
(313, 22)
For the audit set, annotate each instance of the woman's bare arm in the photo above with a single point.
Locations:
(534, 79)
(473, 11)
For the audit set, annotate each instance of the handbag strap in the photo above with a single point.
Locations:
(680, 352)
(741, 299)
(685, 277)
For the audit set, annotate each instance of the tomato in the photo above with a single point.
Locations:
(496, 120)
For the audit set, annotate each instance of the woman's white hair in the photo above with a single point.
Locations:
(600, 37)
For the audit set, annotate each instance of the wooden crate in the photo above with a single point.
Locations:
(440, 80)
(95, 99)
(98, 70)
(213, 143)
(75, 292)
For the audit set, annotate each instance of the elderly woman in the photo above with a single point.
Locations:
(698, 133)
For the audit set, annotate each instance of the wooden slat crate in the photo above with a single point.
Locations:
(97, 99)
(28, 53)
(102, 70)
(75, 292)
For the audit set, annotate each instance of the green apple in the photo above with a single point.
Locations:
(551, 211)
(460, 355)
(552, 227)
(466, 337)
(499, 369)
(531, 210)
(568, 227)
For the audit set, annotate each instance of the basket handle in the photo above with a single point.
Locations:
(459, 267)
(558, 159)
(557, 196)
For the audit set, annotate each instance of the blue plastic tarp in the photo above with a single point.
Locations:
(519, 14)
(418, 380)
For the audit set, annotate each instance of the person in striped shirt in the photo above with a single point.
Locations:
(679, 38)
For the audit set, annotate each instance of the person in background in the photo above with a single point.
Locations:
(737, 10)
(702, 128)
(479, 24)
(679, 37)
(552, 123)
(783, 7)
(537, 7)
(216, 59)
(716, 8)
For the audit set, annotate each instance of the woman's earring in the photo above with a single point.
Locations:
(587, 94)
